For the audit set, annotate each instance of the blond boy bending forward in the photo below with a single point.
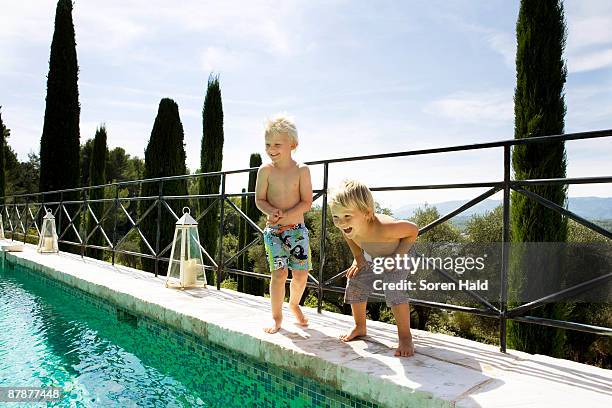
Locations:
(283, 192)
(370, 235)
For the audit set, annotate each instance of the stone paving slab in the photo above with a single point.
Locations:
(446, 371)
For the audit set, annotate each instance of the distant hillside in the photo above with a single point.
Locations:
(593, 208)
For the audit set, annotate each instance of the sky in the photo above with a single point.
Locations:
(358, 77)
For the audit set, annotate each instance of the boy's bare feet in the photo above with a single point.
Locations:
(275, 328)
(358, 331)
(299, 316)
(405, 348)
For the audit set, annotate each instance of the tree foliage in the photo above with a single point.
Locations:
(539, 109)
(253, 286)
(211, 159)
(164, 156)
(590, 257)
(85, 160)
(2, 166)
(97, 177)
(431, 243)
(59, 144)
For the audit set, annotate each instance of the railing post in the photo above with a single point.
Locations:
(158, 222)
(220, 265)
(12, 217)
(61, 210)
(25, 232)
(116, 204)
(39, 215)
(503, 307)
(323, 237)
(84, 221)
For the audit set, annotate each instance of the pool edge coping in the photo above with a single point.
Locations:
(355, 382)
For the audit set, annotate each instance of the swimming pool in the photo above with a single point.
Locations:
(52, 334)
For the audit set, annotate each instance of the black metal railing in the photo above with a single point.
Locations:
(21, 218)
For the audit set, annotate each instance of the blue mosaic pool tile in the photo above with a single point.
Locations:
(263, 385)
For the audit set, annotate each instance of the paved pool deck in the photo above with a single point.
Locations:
(446, 371)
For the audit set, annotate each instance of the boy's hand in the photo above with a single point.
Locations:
(358, 263)
(275, 216)
(272, 219)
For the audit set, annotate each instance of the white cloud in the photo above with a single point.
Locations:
(131, 34)
(109, 31)
(504, 44)
(125, 105)
(277, 56)
(25, 124)
(126, 134)
(18, 33)
(589, 61)
(483, 108)
(221, 59)
(583, 93)
(501, 42)
(589, 38)
(35, 28)
(592, 30)
(129, 92)
(266, 25)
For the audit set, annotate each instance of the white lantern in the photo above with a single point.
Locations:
(1, 227)
(47, 243)
(186, 268)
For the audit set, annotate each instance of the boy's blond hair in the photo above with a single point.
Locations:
(355, 195)
(282, 123)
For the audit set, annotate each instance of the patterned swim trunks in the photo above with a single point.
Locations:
(287, 246)
(360, 287)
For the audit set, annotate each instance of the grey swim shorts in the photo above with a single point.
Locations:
(361, 286)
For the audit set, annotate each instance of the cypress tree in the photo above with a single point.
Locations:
(254, 286)
(97, 176)
(164, 156)
(85, 159)
(211, 158)
(59, 144)
(242, 225)
(539, 109)
(2, 144)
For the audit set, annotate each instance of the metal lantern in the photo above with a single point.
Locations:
(1, 227)
(186, 268)
(47, 243)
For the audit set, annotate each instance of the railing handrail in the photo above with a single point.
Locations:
(464, 147)
(224, 266)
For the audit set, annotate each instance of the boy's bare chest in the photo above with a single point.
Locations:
(379, 248)
(287, 180)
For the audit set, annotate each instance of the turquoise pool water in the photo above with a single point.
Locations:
(55, 335)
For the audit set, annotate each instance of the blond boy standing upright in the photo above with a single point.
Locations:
(283, 192)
